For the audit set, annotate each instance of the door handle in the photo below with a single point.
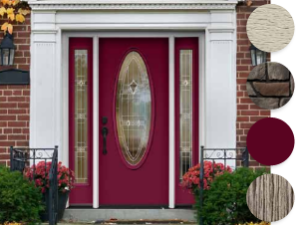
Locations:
(104, 135)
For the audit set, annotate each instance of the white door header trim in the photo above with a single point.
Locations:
(132, 4)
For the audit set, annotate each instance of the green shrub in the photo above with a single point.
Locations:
(20, 200)
(225, 202)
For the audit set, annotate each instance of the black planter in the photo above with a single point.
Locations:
(62, 203)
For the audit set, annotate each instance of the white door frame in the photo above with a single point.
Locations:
(96, 35)
(214, 21)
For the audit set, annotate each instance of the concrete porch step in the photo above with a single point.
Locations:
(130, 216)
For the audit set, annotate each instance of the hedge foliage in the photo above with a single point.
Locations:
(20, 200)
(225, 202)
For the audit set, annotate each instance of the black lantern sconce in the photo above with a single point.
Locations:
(257, 56)
(7, 50)
(7, 54)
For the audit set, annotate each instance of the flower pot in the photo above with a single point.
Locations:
(62, 203)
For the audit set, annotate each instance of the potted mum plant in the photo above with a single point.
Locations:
(191, 179)
(65, 178)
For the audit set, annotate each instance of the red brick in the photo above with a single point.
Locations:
(246, 125)
(17, 131)
(25, 131)
(26, 92)
(7, 93)
(250, 113)
(246, 61)
(246, 100)
(8, 131)
(3, 124)
(22, 117)
(24, 34)
(16, 137)
(17, 124)
(243, 42)
(22, 143)
(3, 137)
(265, 113)
(26, 54)
(242, 68)
(16, 99)
(17, 92)
(23, 67)
(254, 119)
(23, 105)
(241, 80)
(17, 86)
(7, 117)
(4, 156)
(254, 106)
(243, 107)
(243, 119)
(244, 75)
(17, 111)
(6, 143)
(240, 16)
(24, 47)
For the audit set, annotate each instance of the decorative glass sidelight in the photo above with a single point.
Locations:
(186, 110)
(133, 108)
(81, 121)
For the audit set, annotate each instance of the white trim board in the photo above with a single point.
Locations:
(132, 4)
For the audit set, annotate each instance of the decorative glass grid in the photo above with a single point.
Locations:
(186, 110)
(81, 123)
(133, 109)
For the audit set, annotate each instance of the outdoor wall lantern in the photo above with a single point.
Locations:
(7, 50)
(257, 56)
(11, 76)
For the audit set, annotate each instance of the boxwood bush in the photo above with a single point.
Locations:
(20, 200)
(225, 202)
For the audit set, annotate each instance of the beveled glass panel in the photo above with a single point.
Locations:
(186, 110)
(81, 123)
(133, 108)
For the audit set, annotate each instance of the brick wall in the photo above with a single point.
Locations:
(247, 112)
(14, 99)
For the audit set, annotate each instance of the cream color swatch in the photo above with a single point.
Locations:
(270, 197)
(270, 28)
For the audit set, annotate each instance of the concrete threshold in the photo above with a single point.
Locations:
(130, 222)
(130, 216)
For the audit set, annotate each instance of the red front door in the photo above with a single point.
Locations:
(133, 110)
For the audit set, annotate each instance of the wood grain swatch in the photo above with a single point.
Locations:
(270, 197)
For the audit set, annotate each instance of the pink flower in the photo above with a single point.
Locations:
(40, 174)
(191, 179)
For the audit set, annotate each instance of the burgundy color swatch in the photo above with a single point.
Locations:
(270, 141)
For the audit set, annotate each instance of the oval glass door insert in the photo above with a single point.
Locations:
(133, 109)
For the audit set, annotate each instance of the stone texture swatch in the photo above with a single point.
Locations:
(270, 197)
(270, 85)
(270, 28)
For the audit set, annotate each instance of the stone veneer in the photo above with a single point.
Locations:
(270, 85)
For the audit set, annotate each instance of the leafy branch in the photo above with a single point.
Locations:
(13, 11)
